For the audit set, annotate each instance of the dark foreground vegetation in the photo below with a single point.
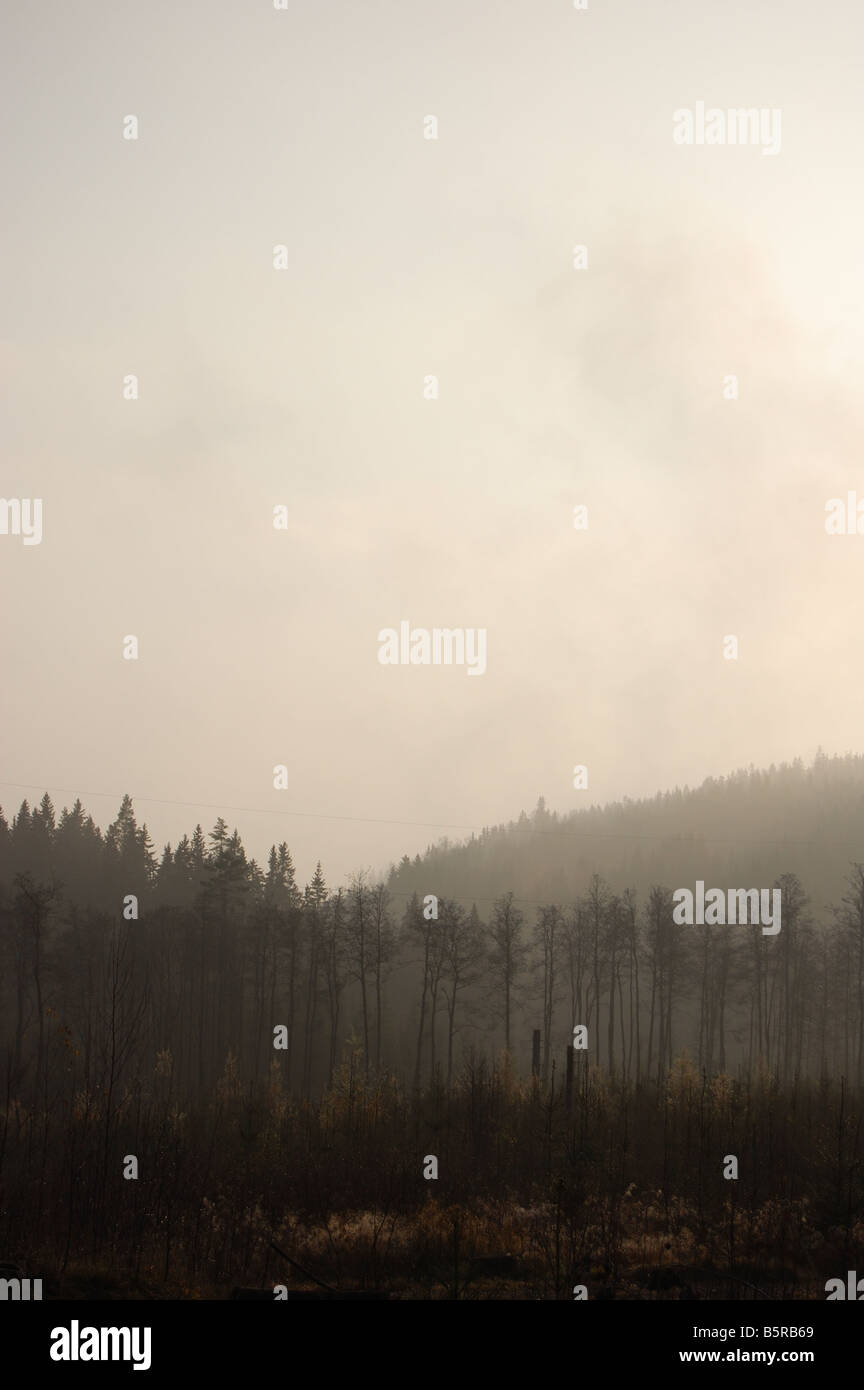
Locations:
(623, 1192)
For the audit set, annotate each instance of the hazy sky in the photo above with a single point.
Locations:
(305, 387)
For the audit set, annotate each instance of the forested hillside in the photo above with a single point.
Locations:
(750, 826)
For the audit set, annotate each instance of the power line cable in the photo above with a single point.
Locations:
(436, 825)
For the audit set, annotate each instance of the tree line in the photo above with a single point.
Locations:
(113, 956)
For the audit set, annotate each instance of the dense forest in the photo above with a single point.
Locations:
(280, 1061)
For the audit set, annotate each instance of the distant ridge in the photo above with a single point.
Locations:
(754, 824)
